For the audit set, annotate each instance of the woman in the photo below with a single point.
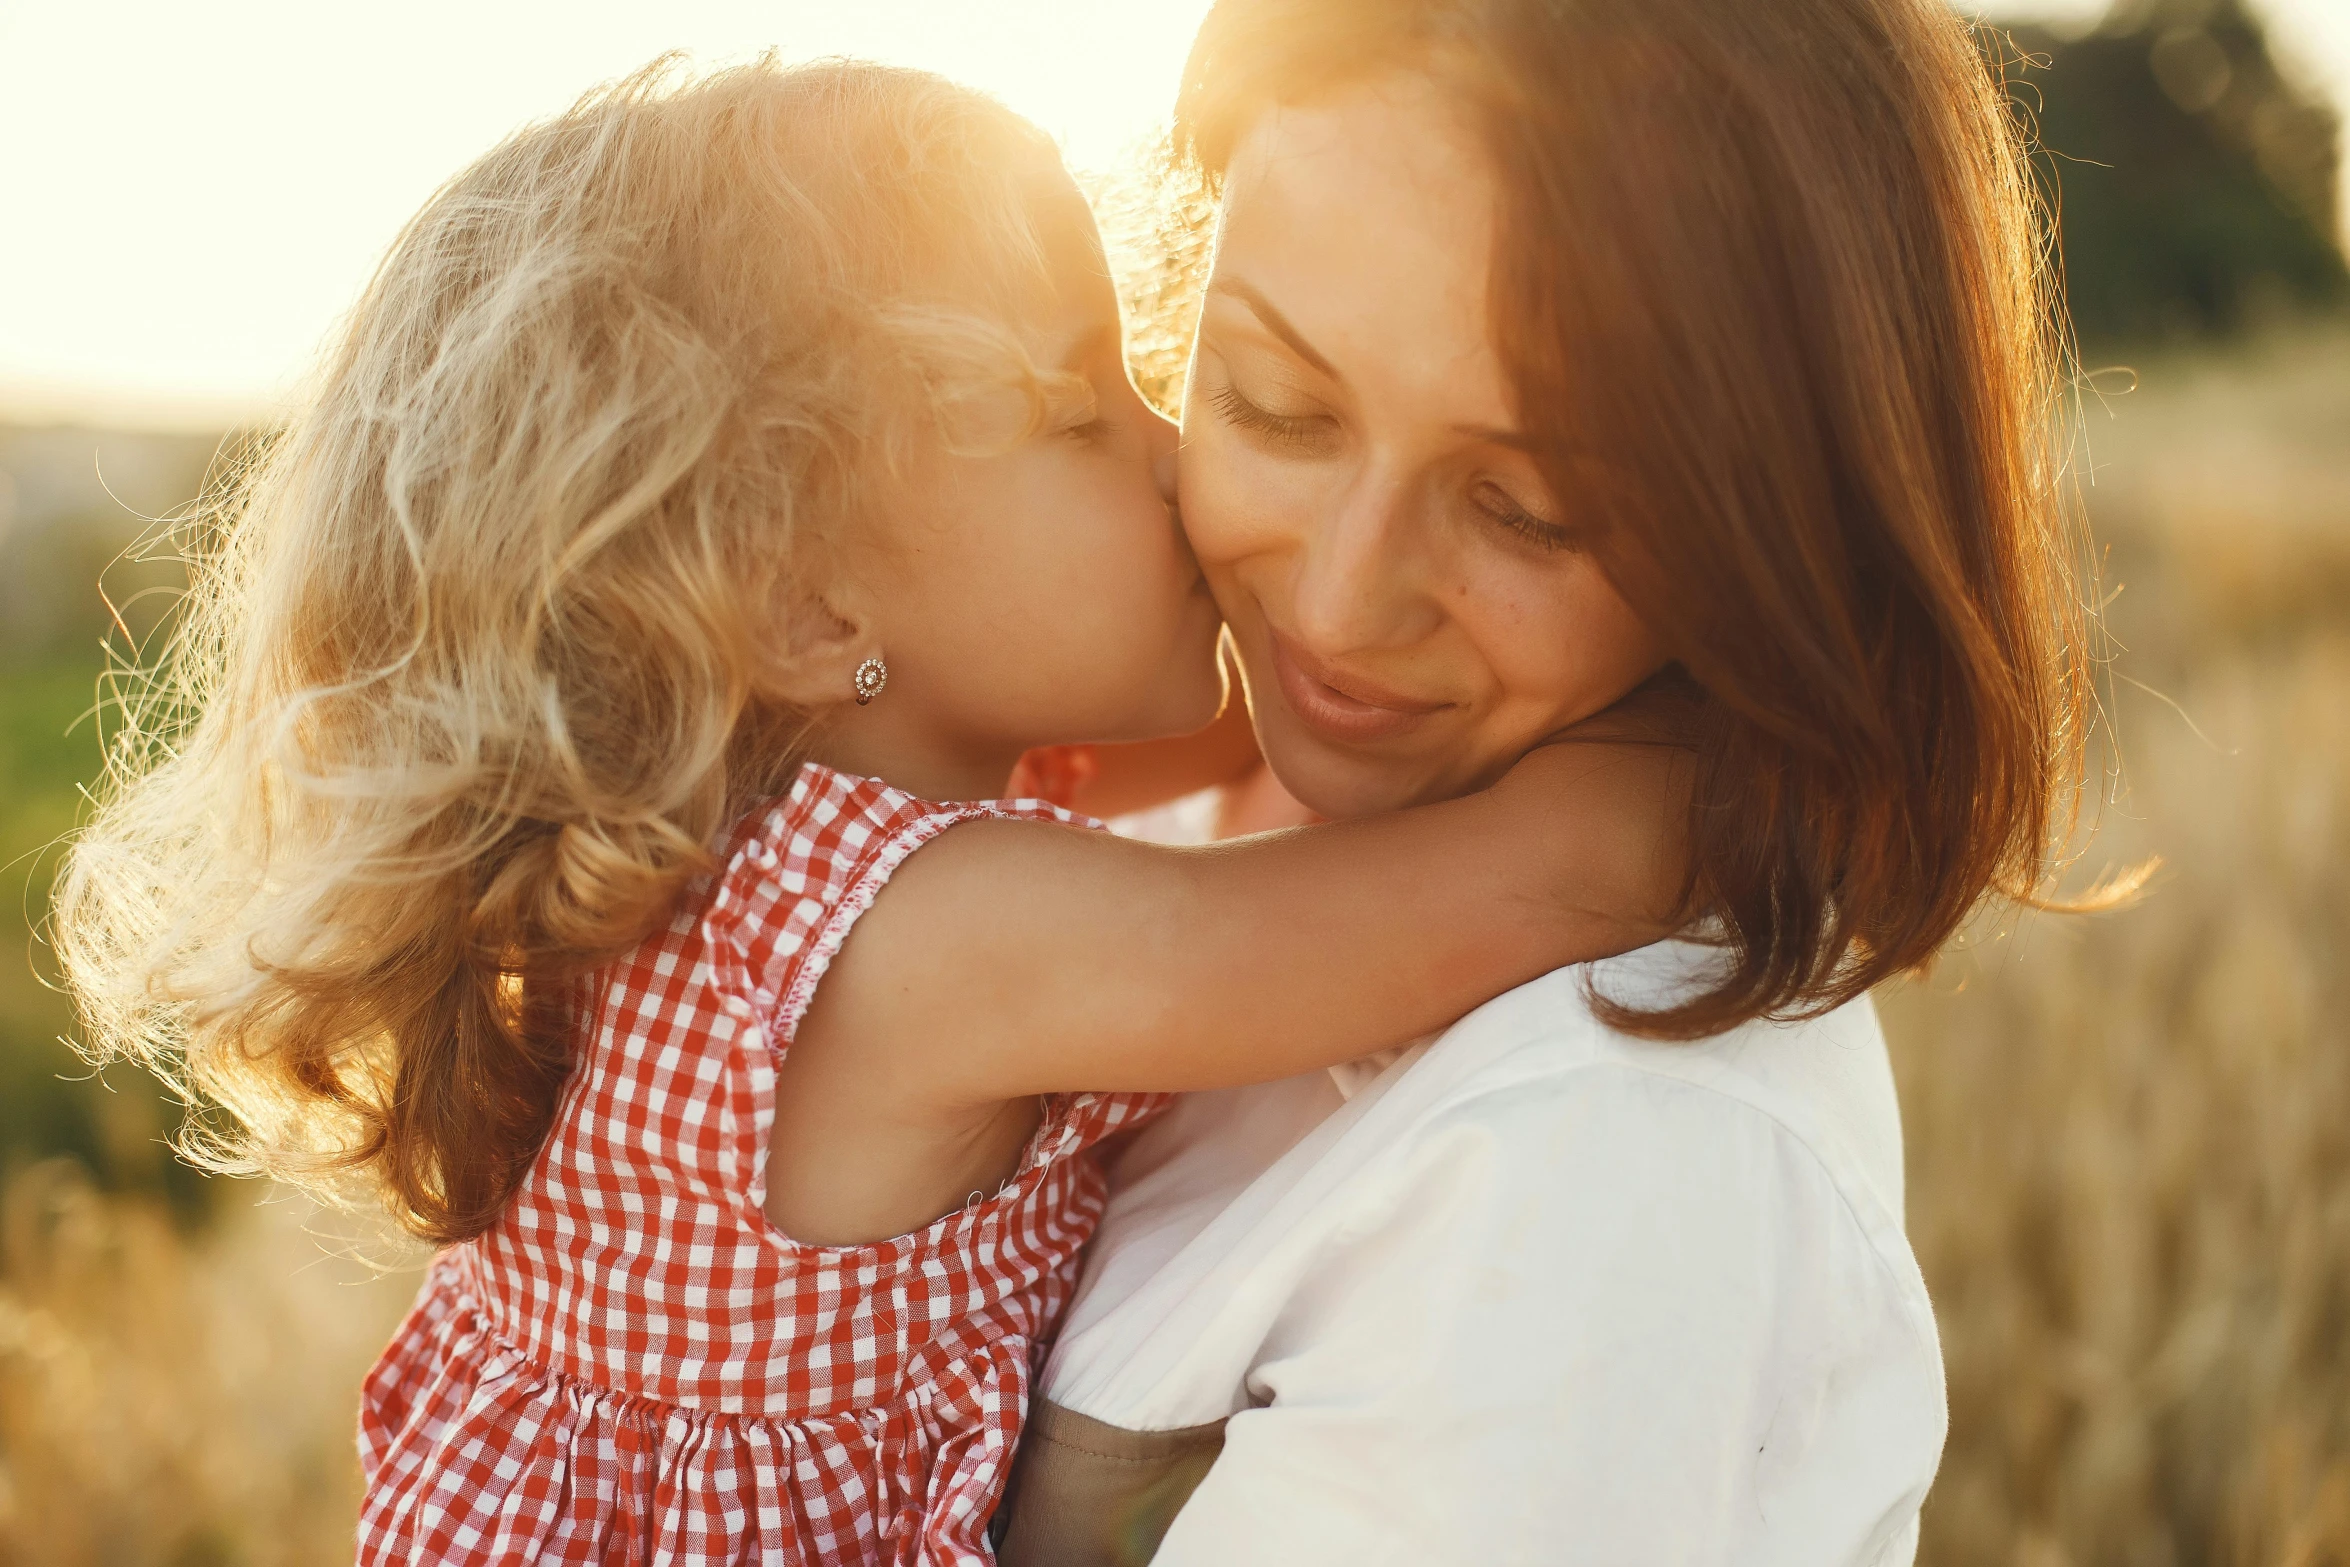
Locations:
(1554, 352)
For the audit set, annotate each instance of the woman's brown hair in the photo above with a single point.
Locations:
(1770, 284)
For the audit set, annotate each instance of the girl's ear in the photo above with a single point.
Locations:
(814, 664)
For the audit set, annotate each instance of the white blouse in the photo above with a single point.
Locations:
(1534, 1292)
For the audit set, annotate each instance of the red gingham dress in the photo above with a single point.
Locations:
(634, 1366)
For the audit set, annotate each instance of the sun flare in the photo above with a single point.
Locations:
(214, 184)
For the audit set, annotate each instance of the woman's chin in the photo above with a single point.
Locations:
(1339, 785)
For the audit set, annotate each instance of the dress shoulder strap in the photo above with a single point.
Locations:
(797, 873)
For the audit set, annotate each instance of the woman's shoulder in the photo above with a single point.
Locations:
(1557, 1277)
(1823, 1084)
(1533, 1138)
(1529, 1173)
(1581, 1168)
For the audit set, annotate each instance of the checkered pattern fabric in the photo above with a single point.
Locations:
(635, 1367)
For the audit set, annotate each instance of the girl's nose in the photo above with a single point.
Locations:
(1163, 474)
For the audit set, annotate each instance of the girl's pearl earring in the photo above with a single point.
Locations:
(871, 676)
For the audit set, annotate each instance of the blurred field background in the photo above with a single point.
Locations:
(2129, 1134)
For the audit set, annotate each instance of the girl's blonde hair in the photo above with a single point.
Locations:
(468, 677)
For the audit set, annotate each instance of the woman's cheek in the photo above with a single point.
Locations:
(1533, 636)
(1580, 658)
(1229, 498)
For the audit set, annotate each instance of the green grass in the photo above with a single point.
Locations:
(51, 1102)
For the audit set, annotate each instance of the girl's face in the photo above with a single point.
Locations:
(1042, 593)
(1411, 615)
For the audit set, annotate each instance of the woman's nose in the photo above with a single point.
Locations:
(1357, 583)
(1163, 474)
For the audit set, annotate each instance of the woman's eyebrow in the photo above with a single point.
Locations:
(1515, 440)
(1275, 322)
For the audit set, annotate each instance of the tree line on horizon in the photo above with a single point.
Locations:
(2193, 177)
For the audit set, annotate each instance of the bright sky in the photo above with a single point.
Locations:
(191, 194)
(194, 192)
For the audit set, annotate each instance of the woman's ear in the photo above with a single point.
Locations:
(813, 665)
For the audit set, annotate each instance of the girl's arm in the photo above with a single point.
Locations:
(1014, 958)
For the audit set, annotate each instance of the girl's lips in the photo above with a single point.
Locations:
(1340, 706)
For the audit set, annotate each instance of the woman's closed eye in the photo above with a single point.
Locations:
(1495, 503)
(1302, 431)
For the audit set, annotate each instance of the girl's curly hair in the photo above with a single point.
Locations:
(469, 674)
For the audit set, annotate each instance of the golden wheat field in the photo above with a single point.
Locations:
(2129, 1134)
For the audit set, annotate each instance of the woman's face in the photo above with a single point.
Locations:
(1411, 614)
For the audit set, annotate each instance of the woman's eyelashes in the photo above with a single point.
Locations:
(1305, 432)
(1311, 434)
(1496, 505)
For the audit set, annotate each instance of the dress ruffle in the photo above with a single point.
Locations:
(498, 1459)
(633, 1366)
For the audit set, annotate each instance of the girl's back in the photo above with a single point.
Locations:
(634, 1364)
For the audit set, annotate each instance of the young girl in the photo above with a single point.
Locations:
(711, 480)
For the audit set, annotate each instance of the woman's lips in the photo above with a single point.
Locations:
(1341, 706)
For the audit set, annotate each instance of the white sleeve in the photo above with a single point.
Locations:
(1621, 1319)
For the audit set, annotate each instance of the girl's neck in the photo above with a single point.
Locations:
(868, 745)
